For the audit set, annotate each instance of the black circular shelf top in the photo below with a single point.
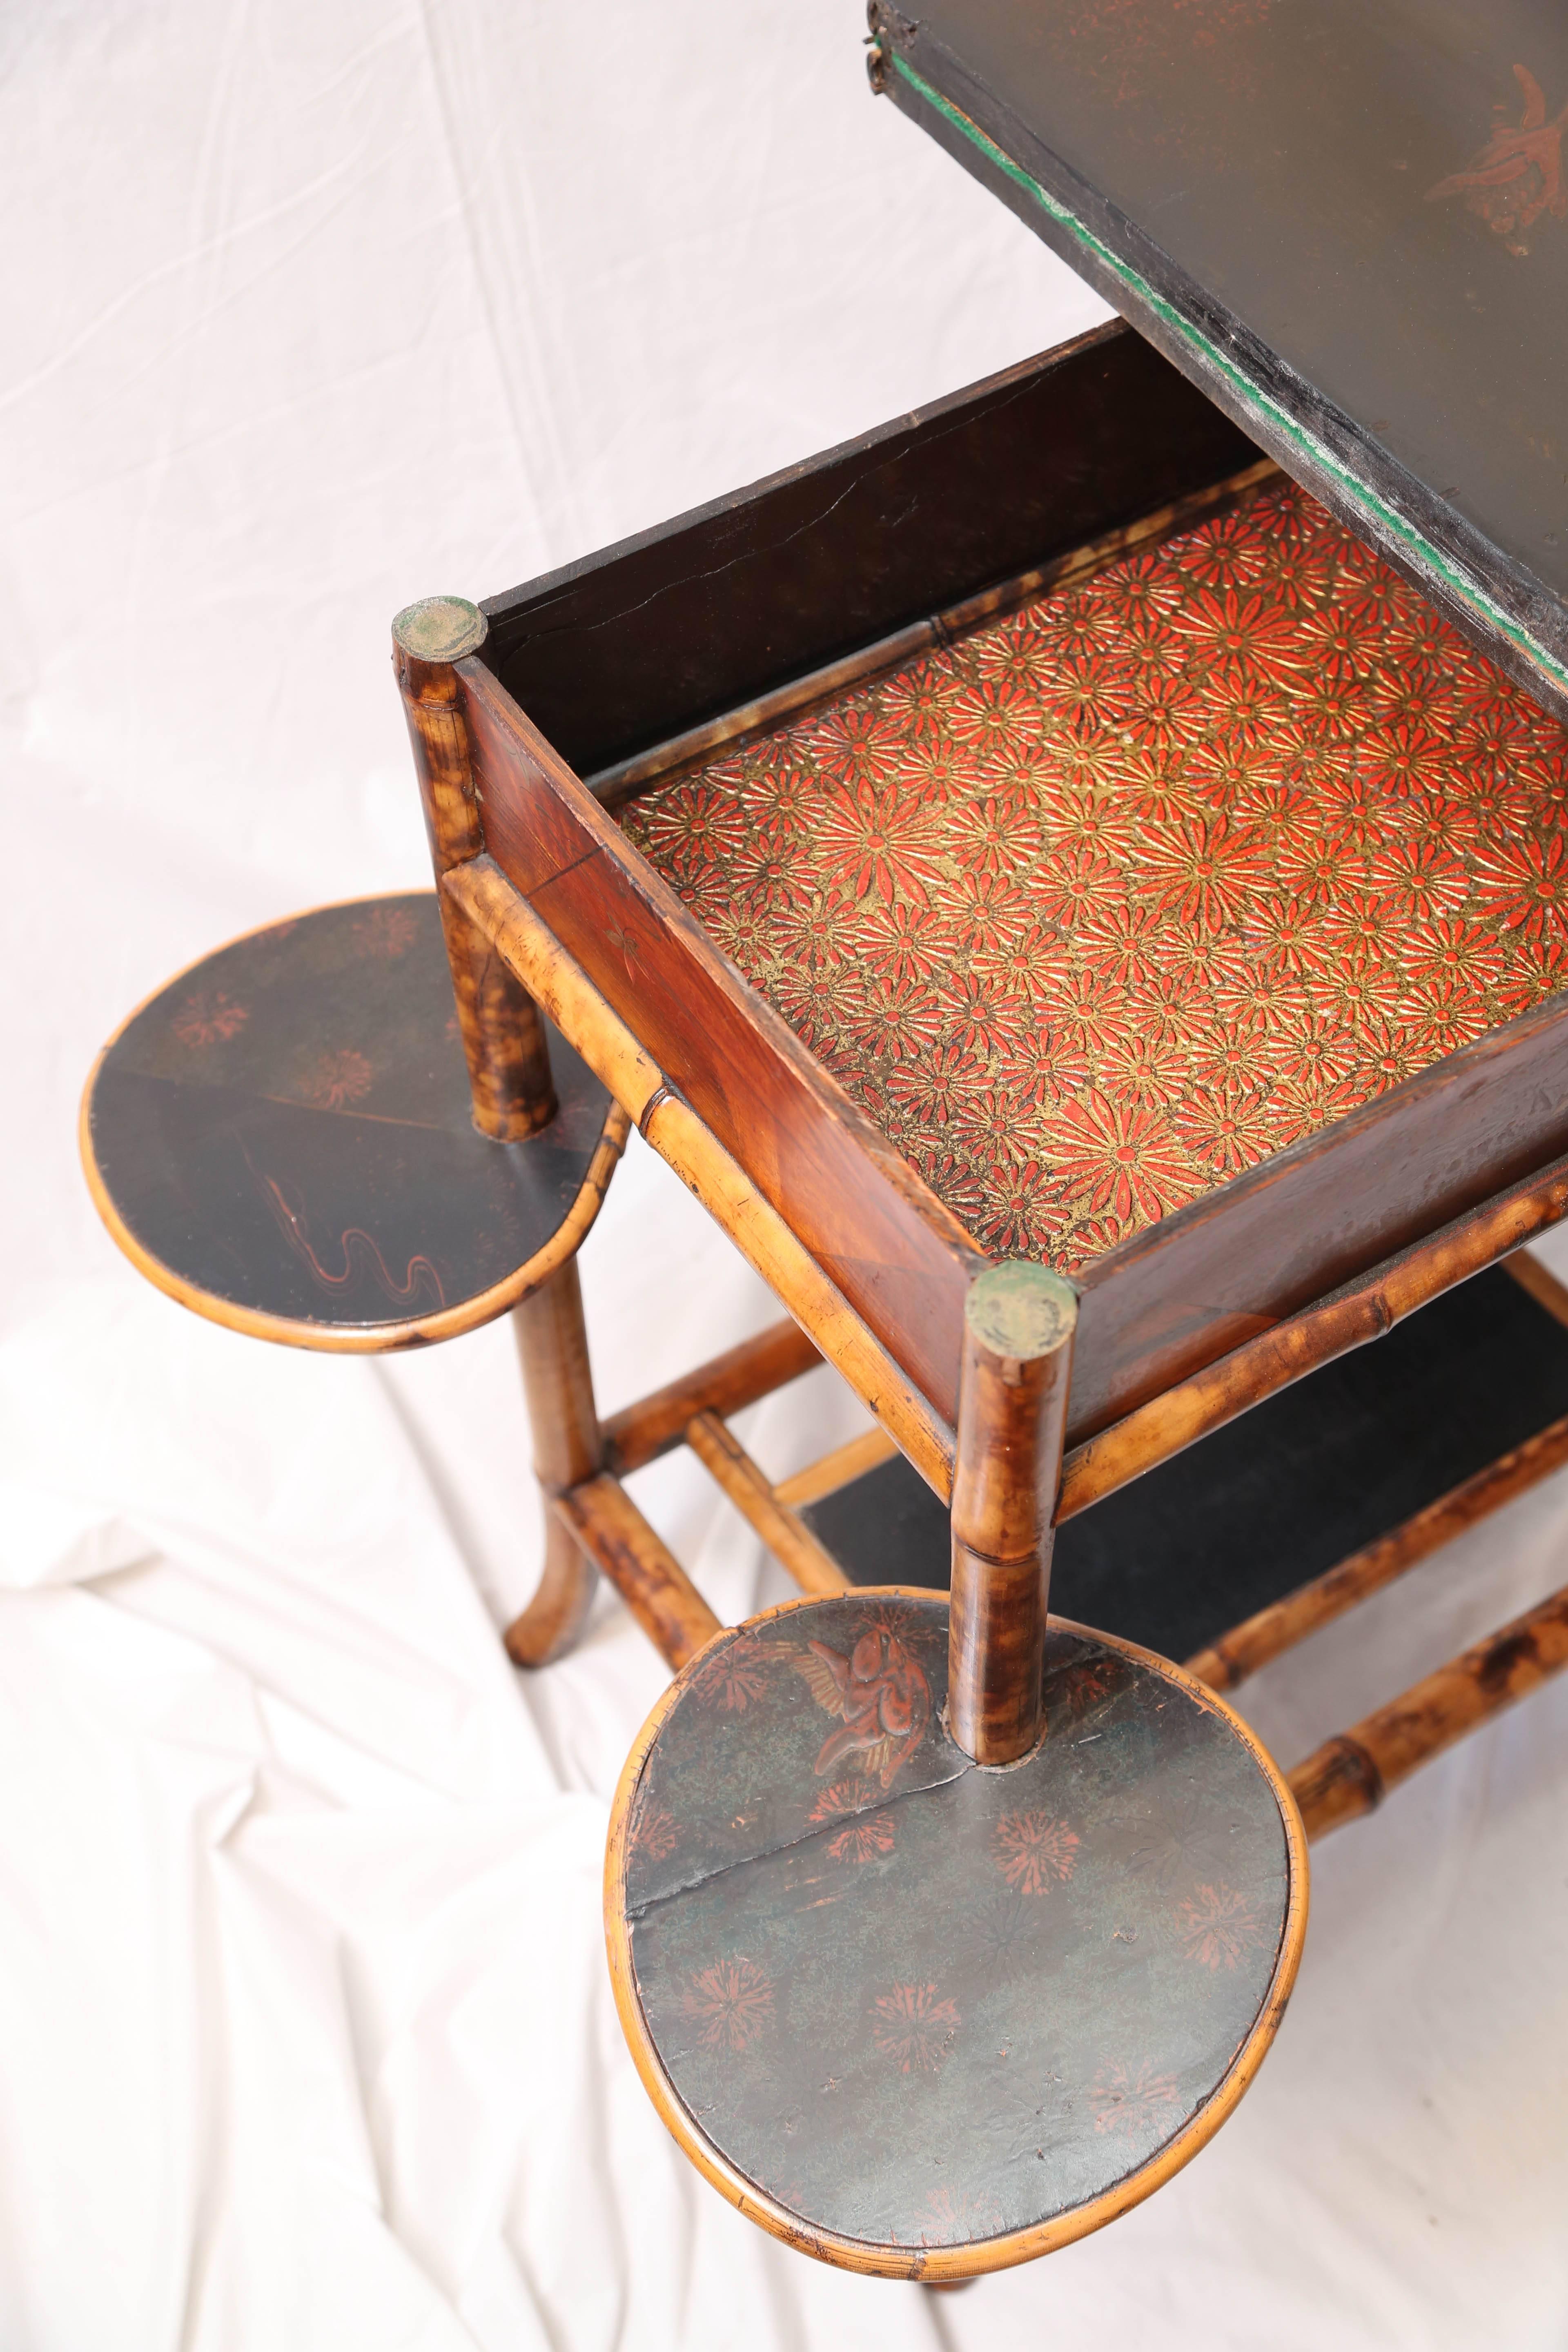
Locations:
(282, 1138)
(922, 2018)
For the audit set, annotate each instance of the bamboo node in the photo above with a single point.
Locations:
(1021, 1310)
(440, 629)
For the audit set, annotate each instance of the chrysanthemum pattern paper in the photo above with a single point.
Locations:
(1146, 881)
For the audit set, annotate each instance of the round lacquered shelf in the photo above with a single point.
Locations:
(921, 2018)
(282, 1139)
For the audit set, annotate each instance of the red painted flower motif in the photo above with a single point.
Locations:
(935, 1088)
(1164, 710)
(1310, 869)
(1087, 693)
(980, 1018)
(959, 2217)
(1442, 1017)
(1034, 1851)
(1419, 878)
(987, 1129)
(898, 1023)
(1203, 872)
(1080, 812)
(1234, 1058)
(1237, 635)
(771, 877)
(1245, 708)
(1252, 994)
(655, 1835)
(1223, 556)
(813, 931)
(1143, 1066)
(1540, 970)
(1040, 1068)
(1133, 2100)
(699, 831)
(209, 1018)
(819, 1002)
(914, 700)
(1120, 1156)
(1358, 929)
(1315, 1049)
(1021, 1206)
(336, 1080)
(731, 2002)
(914, 2026)
(1122, 943)
(999, 835)
(989, 718)
(1229, 1129)
(732, 1681)
(1217, 1926)
(1084, 1010)
(852, 745)
(1386, 1054)
(1523, 885)
(1282, 930)
(1338, 648)
(1406, 754)
(1072, 883)
(387, 932)
(867, 1836)
(987, 912)
(1322, 706)
(1448, 949)
(882, 841)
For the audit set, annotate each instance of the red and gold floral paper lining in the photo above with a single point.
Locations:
(1147, 881)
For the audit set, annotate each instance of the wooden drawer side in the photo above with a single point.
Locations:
(902, 1260)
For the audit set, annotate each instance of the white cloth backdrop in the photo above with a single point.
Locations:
(310, 307)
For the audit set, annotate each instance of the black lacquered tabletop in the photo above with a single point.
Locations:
(1347, 218)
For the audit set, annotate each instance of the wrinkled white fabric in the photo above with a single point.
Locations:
(306, 2039)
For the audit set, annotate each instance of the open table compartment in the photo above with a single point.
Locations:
(686, 643)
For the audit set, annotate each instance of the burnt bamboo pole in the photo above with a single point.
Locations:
(1347, 1318)
(505, 917)
(1539, 1282)
(606, 1521)
(791, 1542)
(640, 1432)
(1350, 1774)
(503, 1036)
(1018, 1323)
(558, 1383)
(840, 1468)
(1266, 1636)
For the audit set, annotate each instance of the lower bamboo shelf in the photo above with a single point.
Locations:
(1305, 1481)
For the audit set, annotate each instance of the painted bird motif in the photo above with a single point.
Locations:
(1518, 176)
(880, 1696)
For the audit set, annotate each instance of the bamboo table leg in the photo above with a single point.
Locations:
(1012, 1411)
(558, 1381)
(503, 1036)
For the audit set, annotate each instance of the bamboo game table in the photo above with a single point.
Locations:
(1077, 884)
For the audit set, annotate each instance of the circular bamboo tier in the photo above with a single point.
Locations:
(282, 1138)
(923, 2018)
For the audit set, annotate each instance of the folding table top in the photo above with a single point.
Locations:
(1346, 219)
